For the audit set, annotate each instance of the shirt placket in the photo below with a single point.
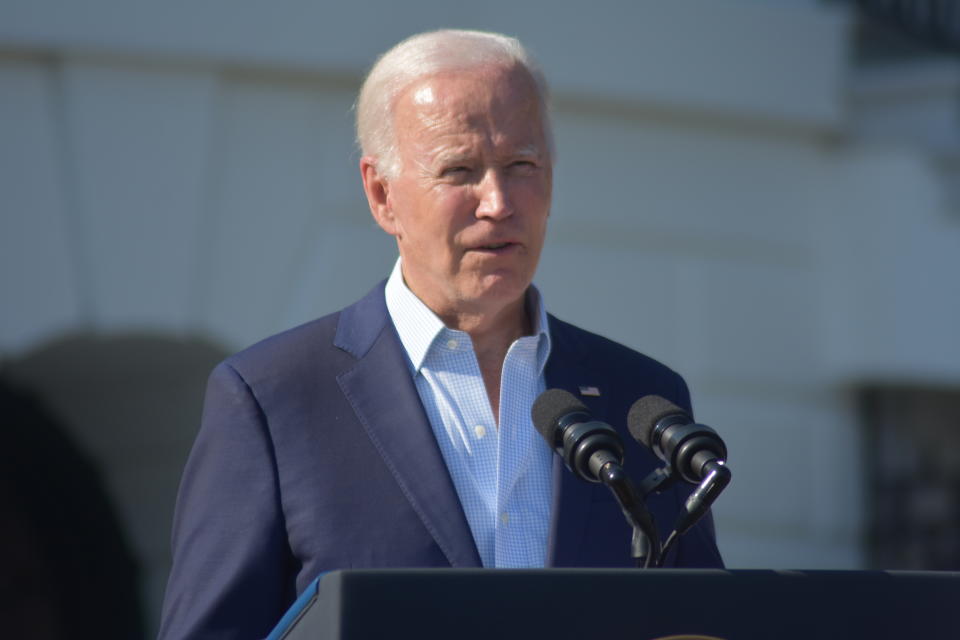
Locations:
(478, 427)
(512, 456)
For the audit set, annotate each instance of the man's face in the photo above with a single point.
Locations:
(469, 206)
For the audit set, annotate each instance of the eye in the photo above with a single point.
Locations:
(523, 167)
(456, 173)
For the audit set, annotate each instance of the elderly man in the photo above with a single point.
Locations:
(397, 432)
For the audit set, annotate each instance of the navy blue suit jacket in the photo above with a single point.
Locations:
(316, 454)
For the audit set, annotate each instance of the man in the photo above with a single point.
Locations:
(396, 433)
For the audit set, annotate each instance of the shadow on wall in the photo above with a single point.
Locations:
(67, 568)
(101, 427)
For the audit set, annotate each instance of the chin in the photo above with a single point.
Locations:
(500, 290)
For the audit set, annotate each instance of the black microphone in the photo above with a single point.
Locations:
(690, 449)
(585, 445)
(593, 451)
(694, 451)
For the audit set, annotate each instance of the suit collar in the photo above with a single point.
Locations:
(361, 323)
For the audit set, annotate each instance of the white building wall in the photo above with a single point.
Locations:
(189, 169)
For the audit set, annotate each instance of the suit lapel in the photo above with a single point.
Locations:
(385, 400)
(384, 397)
(571, 495)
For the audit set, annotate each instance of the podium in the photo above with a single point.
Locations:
(490, 604)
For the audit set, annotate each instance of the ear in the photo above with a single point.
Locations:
(377, 189)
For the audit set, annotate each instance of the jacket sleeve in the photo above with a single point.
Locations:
(232, 568)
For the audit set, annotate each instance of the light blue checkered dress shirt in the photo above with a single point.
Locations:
(502, 476)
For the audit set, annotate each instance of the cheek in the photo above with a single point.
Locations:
(534, 194)
(452, 199)
(433, 228)
(452, 211)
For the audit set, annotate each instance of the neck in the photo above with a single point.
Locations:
(493, 330)
(492, 335)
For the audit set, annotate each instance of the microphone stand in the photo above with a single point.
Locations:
(645, 543)
(716, 480)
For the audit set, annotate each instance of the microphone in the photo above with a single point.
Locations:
(593, 451)
(585, 445)
(694, 451)
(690, 449)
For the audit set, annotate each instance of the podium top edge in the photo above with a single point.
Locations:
(839, 574)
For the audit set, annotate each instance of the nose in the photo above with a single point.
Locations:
(494, 199)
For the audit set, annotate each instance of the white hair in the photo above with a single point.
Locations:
(427, 54)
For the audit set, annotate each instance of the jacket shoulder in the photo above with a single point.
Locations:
(331, 342)
(309, 341)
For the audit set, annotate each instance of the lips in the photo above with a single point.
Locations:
(494, 246)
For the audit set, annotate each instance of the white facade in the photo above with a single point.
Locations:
(731, 197)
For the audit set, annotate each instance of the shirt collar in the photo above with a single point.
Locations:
(418, 326)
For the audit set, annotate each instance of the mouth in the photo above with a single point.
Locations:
(495, 247)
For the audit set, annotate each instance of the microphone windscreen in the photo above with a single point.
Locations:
(646, 413)
(549, 407)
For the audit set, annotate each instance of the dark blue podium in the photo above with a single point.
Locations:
(630, 604)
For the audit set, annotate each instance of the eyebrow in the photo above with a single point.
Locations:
(452, 157)
(528, 150)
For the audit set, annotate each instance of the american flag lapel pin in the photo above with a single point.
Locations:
(589, 391)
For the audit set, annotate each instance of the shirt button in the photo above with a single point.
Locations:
(451, 343)
(480, 430)
(505, 517)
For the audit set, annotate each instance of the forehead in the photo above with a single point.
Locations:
(500, 104)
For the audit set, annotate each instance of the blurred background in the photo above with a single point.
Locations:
(764, 194)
